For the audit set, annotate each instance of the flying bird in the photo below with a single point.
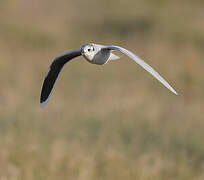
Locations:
(95, 54)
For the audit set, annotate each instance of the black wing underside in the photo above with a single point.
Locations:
(53, 74)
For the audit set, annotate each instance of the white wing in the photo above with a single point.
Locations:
(143, 64)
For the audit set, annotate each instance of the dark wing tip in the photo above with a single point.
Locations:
(49, 83)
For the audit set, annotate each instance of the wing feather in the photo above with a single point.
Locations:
(53, 74)
(143, 64)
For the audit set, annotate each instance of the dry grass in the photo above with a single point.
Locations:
(102, 122)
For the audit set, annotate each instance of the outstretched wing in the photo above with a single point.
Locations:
(143, 64)
(53, 74)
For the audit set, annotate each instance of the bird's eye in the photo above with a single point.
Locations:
(89, 49)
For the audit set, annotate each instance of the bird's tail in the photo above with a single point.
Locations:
(113, 57)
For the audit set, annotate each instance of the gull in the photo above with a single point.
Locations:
(95, 54)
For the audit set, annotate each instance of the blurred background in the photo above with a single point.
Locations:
(102, 122)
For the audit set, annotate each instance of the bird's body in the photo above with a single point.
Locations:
(100, 55)
(95, 54)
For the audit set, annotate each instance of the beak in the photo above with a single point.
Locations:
(82, 51)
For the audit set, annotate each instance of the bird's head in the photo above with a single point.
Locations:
(88, 51)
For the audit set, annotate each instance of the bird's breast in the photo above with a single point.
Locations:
(101, 58)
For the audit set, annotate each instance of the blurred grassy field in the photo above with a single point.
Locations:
(102, 122)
